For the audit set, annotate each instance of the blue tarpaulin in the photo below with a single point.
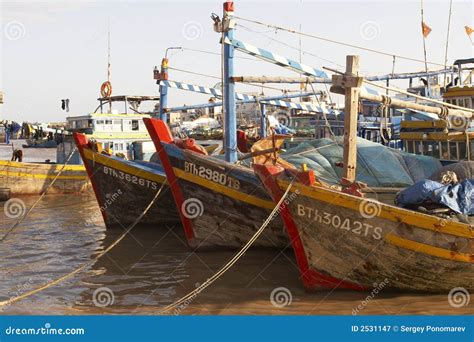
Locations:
(458, 197)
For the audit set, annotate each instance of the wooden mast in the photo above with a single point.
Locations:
(351, 83)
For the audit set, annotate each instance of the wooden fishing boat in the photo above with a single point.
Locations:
(124, 189)
(221, 204)
(343, 239)
(34, 178)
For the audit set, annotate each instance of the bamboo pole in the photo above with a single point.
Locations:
(285, 79)
(442, 112)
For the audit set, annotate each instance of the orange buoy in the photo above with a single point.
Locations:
(106, 89)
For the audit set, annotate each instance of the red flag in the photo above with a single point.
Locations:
(469, 30)
(425, 29)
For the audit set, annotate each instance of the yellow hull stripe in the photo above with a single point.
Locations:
(39, 166)
(391, 213)
(13, 170)
(107, 161)
(224, 190)
(10, 174)
(429, 250)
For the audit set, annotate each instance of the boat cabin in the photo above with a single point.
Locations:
(461, 91)
(438, 139)
(116, 130)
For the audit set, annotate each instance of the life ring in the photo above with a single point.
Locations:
(106, 89)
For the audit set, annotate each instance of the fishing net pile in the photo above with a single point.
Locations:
(377, 165)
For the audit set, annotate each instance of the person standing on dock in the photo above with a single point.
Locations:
(7, 132)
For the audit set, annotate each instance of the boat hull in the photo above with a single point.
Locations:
(365, 242)
(221, 204)
(125, 189)
(35, 178)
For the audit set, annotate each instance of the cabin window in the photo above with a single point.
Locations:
(453, 150)
(117, 125)
(462, 150)
(135, 125)
(431, 148)
(419, 147)
(444, 151)
(410, 146)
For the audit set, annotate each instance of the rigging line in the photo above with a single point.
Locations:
(219, 78)
(191, 295)
(218, 54)
(20, 220)
(335, 41)
(447, 39)
(401, 91)
(87, 264)
(291, 46)
(328, 125)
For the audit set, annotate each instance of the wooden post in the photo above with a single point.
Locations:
(351, 107)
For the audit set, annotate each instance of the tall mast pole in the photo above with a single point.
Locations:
(108, 65)
(447, 40)
(424, 50)
(230, 120)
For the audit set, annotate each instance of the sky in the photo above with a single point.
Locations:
(52, 50)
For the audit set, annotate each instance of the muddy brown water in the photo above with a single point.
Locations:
(153, 267)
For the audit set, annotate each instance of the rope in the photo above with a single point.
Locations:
(218, 54)
(231, 262)
(20, 220)
(290, 46)
(334, 41)
(328, 125)
(90, 263)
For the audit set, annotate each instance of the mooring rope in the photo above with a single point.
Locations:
(20, 220)
(87, 264)
(232, 261)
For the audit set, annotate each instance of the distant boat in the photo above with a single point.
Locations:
(448, 140)
(121, 133)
